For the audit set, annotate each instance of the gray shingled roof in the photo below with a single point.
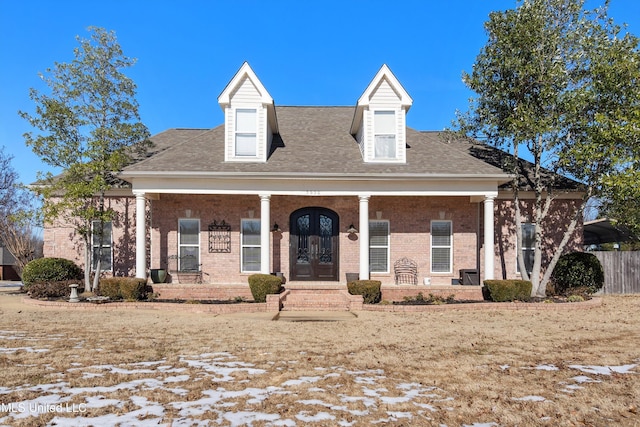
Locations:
(312, 140)
(504, 160)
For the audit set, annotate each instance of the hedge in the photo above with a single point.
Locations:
(369, 289)
(50, 270)
(263, 284)
(507, 290)
(127, 288)
(53, 289)
(576, 271)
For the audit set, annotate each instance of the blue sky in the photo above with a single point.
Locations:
(304, 52)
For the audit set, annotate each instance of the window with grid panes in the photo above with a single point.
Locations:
(250, 245)
(246, 132)
(188, 244)
(384, 125)
(441, 247)
(105, 250)
(379, 246)
(528, 246)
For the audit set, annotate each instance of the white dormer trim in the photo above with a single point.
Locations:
(383, 95)
(245, 92)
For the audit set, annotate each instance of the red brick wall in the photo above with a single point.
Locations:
(61, 239)
(409, 217)
(410, 221)
(553, 226)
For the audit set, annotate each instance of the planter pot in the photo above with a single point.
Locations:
(158, 275)
(352, 277)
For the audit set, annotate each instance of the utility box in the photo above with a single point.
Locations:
(469, 277)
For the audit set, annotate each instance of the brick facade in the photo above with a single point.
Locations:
(554, 226)
(409, 218)
(62, 240)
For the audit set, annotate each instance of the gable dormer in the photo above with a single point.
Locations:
(379, 123)
(249, 118)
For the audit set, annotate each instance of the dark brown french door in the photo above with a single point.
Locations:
(314, 244)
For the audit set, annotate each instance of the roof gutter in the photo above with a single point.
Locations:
(500, 177)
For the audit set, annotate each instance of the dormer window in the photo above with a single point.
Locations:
(379, 122)
(246, 132)
(249, 118)
(384, 125)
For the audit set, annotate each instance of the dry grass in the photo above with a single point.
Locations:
(450, 367)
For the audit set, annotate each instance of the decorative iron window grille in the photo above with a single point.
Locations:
(219, 237)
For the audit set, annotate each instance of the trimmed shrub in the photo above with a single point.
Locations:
(507, 290)
(369, 289)
(53, 289)
(50, 270)
(110, 287)
(578, 270)
(133, 289)
(263, 284)
(127, 288)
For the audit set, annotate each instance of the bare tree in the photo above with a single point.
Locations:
(18, 221)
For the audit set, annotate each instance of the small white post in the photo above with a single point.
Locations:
(74, 293)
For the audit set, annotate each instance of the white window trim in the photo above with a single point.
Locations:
(242, 245)
(387, 246)
(519, 250)
(104, 245)
(431, 246)
(395, 134)
(236, 132)
(180, 245)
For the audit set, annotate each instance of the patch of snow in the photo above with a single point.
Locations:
(301, 380)
(547, 368)
(530, 399)
(320, 416)
(8, 350)
(397, 415)
(605, 370)
(581, 379)
(480, 425)
(177, 379)
(101, 402)
(244, 418)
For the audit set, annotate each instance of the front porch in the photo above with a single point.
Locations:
(226, 238)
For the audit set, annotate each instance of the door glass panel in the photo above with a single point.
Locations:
(325, 250)
(303, 239)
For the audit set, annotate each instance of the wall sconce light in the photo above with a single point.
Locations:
(442, 214)
(352, 230)
(187, 213)
(276, 228)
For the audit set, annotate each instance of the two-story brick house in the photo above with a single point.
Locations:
(312, 193)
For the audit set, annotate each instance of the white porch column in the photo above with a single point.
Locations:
(141, 233)
(265, 219)
(364, 237)
(489, 239)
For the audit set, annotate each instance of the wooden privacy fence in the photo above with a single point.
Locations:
(621, 272)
